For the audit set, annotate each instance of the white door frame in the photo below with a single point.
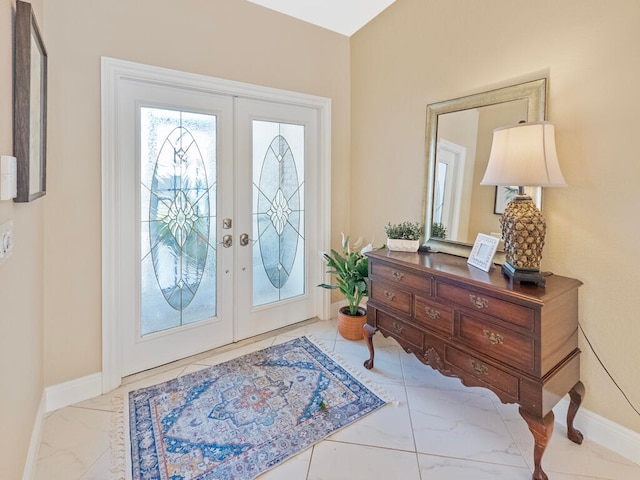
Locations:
(453, 194)
(113, 72)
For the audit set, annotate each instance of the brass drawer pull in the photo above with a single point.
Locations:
(478, 302)
(398, 275)
(479, 368)
(390, 295)
(431, 313)
(494, 338)
(398, 328)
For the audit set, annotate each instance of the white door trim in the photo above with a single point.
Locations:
(453, 194)
(114, 71)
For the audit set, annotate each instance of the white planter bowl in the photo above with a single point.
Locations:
(403, 245)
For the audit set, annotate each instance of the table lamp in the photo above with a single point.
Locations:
(523, 155)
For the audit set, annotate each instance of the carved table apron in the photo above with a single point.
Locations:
(519, 341)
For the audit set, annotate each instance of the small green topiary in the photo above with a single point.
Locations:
(404, 231)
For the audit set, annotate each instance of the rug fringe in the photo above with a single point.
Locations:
(118, 442)
(379, 391)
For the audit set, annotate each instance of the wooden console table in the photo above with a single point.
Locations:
(519, 341)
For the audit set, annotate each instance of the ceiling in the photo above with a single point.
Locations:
(342, 16)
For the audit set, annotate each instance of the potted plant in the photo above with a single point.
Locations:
(439, 230)
(403, 237)
(351, 269)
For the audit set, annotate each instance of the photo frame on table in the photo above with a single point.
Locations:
(505, 194)
(483, 251)
(29, 106)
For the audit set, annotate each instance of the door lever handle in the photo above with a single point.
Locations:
(226, 242)
(244, 240)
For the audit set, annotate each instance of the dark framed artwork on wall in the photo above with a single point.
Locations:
(29, 105)
(505, 194)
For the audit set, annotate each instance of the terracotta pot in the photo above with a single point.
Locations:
(350, 326)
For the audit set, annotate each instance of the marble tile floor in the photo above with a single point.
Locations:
(436, 430)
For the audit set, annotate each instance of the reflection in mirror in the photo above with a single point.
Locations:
(459, 135)
(462, 153)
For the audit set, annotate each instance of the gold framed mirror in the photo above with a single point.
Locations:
(458, 142)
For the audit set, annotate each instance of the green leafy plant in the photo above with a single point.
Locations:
(438, 230)
(404, 231)
(351, 269)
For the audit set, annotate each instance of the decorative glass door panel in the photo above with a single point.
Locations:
(175, 167)
(278, 212)
(178, 218)
(277, 159)
(207, 205)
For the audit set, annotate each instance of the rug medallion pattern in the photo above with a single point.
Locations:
(236, 420)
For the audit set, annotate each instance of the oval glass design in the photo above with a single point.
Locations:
(179, 218)
(279, 205)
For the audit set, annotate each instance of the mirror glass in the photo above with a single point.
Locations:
(459, 136)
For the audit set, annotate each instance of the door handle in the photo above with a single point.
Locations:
(227, 241)
(244, 240)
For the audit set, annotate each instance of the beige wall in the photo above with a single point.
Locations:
(420, 52)
(21, 287)
(231, 39)
(414, 54)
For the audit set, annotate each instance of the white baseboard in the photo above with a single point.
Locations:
(74, 391)
(54, 397)
(600, 430)
(36, 439)
(615, 437)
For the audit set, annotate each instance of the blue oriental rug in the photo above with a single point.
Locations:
(236, 420)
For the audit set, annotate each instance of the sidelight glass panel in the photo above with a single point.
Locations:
(278, 212)
(439, 195)
(178, 218)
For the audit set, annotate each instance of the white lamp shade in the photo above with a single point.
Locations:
(524, 155)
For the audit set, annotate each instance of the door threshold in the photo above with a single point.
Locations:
(214, 351)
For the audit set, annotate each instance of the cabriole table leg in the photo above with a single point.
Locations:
(541, 428)
(576, 394)
(368, 332)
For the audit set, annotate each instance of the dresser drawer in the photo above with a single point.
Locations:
(391, 296)
(515, 314)
(491, 376)
(498, 343)
(433, 316)
(419, 283)
(400, 330)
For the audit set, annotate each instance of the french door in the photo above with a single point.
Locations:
(278, 217)
(217, 216)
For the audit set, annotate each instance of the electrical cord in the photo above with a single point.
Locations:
(607, 371)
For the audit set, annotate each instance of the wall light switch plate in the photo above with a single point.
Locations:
(8, 177)
(6, 240)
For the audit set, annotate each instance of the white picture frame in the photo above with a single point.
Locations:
(483, 251)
